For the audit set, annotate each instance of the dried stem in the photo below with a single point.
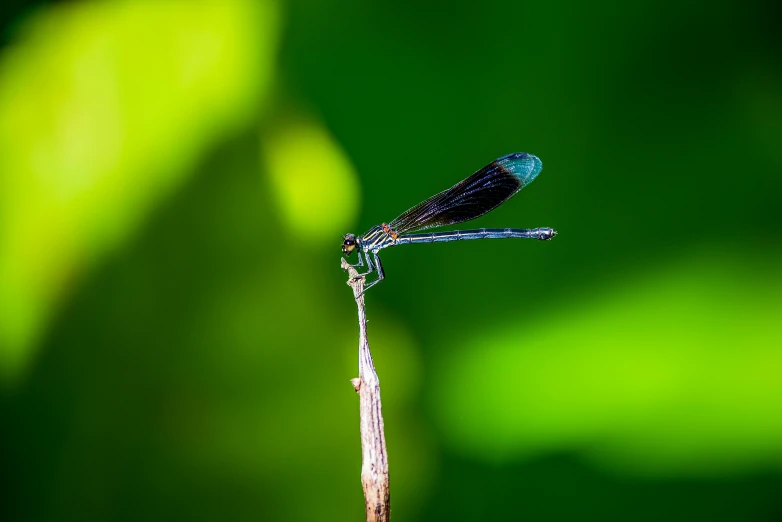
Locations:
(374, 466)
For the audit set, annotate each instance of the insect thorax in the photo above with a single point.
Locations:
(376, 238)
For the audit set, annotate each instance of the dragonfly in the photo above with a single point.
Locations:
(472, 197)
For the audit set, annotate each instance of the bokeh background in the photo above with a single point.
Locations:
(176, 335)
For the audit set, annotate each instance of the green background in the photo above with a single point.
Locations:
(176, 335)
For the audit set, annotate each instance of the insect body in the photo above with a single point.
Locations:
(473, 197)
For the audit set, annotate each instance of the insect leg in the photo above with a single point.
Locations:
(380, 274)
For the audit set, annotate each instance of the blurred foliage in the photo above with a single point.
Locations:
(299, 152)
(176, 339)
(98, 122)
(634, 399)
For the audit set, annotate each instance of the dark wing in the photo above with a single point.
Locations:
(473, 197)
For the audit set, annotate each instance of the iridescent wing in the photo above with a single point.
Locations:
(473, 197)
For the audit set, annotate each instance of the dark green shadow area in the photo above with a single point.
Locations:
(561, 488)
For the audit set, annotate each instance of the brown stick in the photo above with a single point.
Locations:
(374, 465)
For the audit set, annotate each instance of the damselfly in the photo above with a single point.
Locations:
(473, 197)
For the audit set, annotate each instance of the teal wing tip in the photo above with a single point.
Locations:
(523, 165)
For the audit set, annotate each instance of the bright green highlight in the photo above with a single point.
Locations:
(676, 373)
(104, 109)
(312, 179)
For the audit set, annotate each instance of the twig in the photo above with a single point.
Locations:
(374, 465)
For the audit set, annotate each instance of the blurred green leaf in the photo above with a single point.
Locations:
(313, 180)
(104, 109)
(673, 373)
